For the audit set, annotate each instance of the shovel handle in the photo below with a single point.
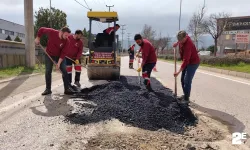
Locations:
(49, 57)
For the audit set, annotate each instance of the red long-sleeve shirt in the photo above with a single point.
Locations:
(75, 48)
(55, 45)
(109, 30)
(148, 52)
(188, 53)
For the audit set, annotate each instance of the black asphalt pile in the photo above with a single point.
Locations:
(132, 104)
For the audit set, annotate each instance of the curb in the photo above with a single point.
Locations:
(18, 77)
(222, 71)
(226, 72)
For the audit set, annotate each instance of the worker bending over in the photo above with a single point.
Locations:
(148, 59)
(131, 52)
(57, 49)
(110, 30)
(74, 53)
(191, 61)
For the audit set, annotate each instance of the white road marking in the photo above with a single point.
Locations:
(218, 76)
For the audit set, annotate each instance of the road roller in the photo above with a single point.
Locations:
(104, 59)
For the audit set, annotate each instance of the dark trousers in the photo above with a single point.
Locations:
(187, 77)
(77, 69)
(48, 71)
(131, 62)
(146, 72)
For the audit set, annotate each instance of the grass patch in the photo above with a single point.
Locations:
(240, 67)
(20, 70)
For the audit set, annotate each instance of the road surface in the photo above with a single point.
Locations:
(225, 97)
(31, 121)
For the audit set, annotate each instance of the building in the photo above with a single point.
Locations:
(11, 29)
(234, 25)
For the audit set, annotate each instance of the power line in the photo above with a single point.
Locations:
(82, 5)
(86, 3)
(128, 39)
(123, 25)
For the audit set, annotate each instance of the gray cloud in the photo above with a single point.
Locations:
(162, 15)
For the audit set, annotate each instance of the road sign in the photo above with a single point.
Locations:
(242, 38)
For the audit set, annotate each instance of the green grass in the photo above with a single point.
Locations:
(20, 70)
(241, 67)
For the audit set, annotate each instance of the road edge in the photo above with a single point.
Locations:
(221, 71)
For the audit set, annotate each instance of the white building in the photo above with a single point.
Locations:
(12, 29)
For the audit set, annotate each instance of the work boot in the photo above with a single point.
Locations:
(47, 92)
(183, 99)
(69, 91)
(77, 83)
(149, 88)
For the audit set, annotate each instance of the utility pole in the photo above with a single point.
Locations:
(109, 10)
(50, 14)
(29, 34)
(123, 25)
(180, 15)
(128, 39)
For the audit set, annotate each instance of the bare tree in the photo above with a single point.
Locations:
(148, 33)
(195, 25)
(214, 25)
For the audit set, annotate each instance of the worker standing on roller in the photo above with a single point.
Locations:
(148, 59)
(131, 52)
(74, 53)
(191, 61)
(57, 49)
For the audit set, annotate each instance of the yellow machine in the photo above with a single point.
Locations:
(104, 62)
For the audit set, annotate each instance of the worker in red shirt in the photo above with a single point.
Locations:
(148, 59)
(110, 30)
(57, 49)
(131, 52)
(190, 64)
(75, 52)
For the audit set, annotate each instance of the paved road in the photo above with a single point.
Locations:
(224, 97)
(31, 121)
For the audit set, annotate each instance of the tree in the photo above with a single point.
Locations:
(42, 19)
(8, 38)
(17, 39)
(195, 25)
(85, 33)
(211, 48)
(162, 43)
(148, 33)
(214, 25)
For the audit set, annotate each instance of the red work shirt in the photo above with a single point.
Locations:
(55, 45)
(75, 48)
(148, 52)
(188, 53)
(109, 30)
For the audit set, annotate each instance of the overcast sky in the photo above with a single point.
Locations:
(162, 15)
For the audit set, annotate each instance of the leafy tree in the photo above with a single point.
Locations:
(8, 38)
(17, 39)
(211, 48)
(42, 19)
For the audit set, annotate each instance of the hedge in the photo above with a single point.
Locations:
(218, 61)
